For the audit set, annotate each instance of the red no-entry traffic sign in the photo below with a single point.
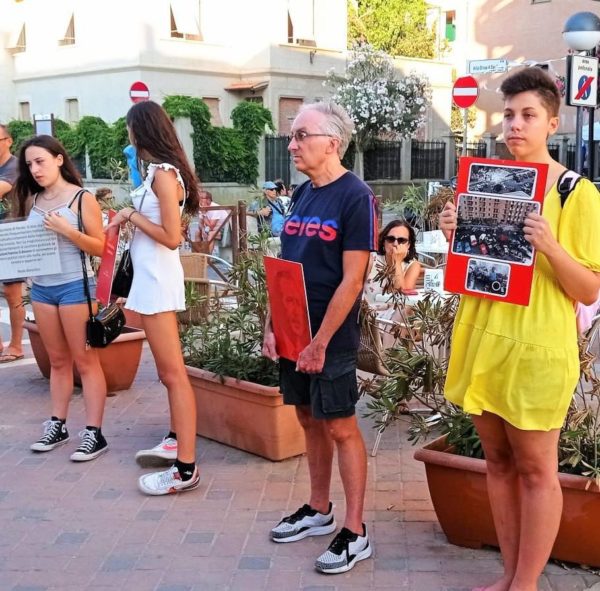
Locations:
(139, 92)
(465, 92)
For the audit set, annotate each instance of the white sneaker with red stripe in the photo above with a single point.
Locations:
(167, 482)
(163, 453)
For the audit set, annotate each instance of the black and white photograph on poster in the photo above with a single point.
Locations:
(511, 181)
(492, 227)
(488, 277)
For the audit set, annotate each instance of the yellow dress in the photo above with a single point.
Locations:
(521, 362)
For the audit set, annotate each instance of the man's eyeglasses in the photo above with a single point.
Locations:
(300, 136)
(392, 239)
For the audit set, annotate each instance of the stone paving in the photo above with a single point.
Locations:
(67, 526)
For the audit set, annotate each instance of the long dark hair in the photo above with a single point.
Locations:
(154, 136)
(412, 252)
(26, 185)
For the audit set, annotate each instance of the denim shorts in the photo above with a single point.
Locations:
(65, 294)
(331, 394)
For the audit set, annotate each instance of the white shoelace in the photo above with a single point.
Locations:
(88, 441)
(51, 428)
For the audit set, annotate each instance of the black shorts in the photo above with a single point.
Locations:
(331, 394)
(12, 281)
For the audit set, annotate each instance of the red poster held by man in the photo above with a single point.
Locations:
(106, 270)
(289, 308)
(489, 256)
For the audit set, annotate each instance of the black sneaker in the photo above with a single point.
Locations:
(92, 445)
(303, 523)
(55, 434)
(346, 549)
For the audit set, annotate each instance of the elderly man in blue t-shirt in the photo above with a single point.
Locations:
(331, 229)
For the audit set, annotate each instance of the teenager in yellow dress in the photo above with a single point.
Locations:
(514, 368)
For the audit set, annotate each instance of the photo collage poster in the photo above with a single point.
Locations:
(489, 256)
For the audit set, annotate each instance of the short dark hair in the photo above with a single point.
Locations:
(534, 80)
(412, 251)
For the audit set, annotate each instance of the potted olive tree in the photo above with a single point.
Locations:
(456, 470)
(238, 400)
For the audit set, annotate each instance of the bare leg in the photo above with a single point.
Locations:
(163, 337)
(503, 491)
(73, 319)
(319, 453)
(536, 457)
(61, 362)
(14, 298)
(352, 461)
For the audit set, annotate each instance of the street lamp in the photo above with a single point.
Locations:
(582, 33)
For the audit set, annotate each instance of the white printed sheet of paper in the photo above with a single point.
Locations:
(27, 250)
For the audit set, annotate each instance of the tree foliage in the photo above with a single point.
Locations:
(381, 103)
(398, 27)
(223, 154)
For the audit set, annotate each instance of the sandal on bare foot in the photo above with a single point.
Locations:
(9, 357)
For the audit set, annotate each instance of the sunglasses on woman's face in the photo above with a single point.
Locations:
(392, 239)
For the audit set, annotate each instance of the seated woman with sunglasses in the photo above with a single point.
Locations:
(396, 251)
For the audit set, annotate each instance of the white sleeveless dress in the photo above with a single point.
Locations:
(157, 273)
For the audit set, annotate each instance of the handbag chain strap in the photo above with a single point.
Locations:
(86, 283)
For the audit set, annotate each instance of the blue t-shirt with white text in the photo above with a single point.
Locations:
(321, 224)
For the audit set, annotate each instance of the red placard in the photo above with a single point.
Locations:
(289, 308)
(106, 270)
(489, 256)
(465, 92)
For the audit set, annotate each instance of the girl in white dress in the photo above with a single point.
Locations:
(157, 292)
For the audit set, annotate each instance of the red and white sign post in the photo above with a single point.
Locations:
(464, 95)
(139, 92)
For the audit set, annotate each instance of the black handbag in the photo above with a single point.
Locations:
(123, 278)
(103, 328)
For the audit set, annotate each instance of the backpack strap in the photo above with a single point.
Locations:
(565, 185)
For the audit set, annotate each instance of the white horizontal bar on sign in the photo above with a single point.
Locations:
(465, 92)
(139, 93)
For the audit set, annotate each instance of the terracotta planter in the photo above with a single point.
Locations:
(247, 416)
(458, 490)
(119, 361)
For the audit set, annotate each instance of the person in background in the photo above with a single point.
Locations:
(49, 190)
(13, 288)
(211, 222)
(271, 213)
(514, 368)
(334, 249)
(157, 291)
(135, 178)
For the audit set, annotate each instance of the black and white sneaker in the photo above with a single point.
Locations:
(92, 445)
(346, 549)
(55, 434)
(303, 523)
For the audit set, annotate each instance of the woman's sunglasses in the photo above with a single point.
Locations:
(392, 239)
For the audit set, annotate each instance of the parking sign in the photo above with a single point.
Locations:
(582, 81)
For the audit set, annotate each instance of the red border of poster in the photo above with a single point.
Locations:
(106, 270)
(489, 256)
(289, 308)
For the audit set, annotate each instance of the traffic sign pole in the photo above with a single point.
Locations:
(464, 94)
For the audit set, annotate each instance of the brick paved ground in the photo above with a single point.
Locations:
(67, 526)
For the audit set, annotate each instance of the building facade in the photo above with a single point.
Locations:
(524, 32)
(75, 58)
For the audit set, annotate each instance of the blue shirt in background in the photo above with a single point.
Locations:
(134, 174)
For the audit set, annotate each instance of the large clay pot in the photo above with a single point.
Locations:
(119, 361)
(458, 490)
(247, 416)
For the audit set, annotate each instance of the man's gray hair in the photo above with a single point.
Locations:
(5, 129)
(337, 122)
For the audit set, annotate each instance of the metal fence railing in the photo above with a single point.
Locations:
(277, 158)
(383, 161)
(427, 160)
(474, 149)
(554, 151)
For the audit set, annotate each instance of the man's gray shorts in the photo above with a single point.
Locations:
(331, 394)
